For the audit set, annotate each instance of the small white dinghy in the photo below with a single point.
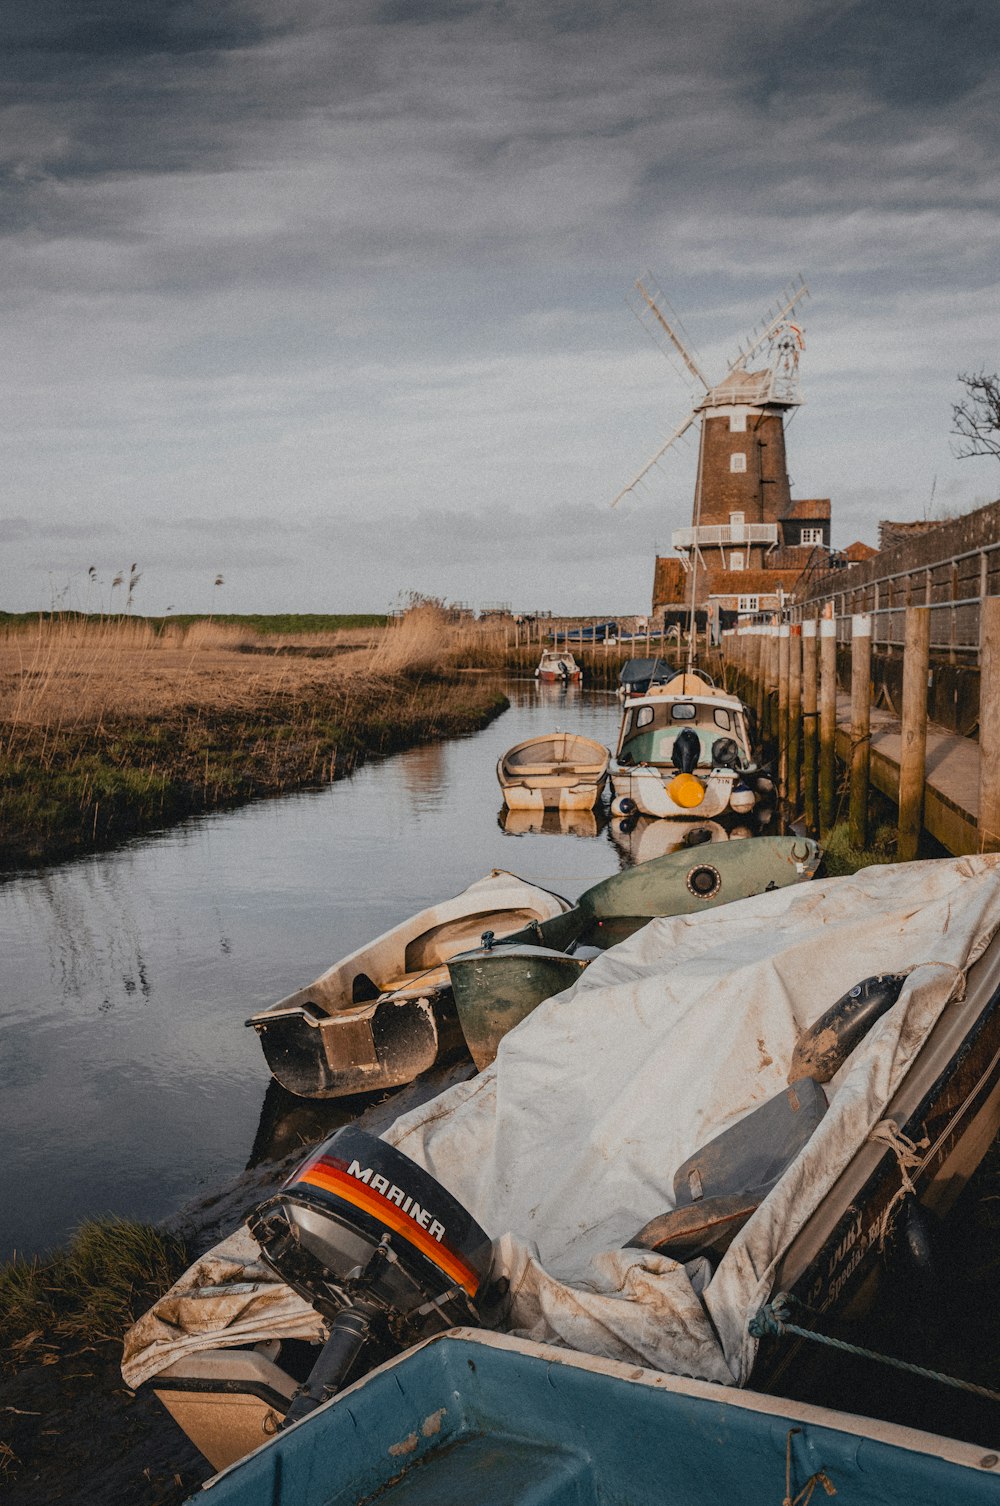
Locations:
(560, 771)
(383, 1014)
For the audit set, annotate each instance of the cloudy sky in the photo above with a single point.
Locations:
(328, 296)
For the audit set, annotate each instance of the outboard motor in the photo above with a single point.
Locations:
(377, 1246)
(686, 751)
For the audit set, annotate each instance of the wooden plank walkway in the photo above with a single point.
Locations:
(951, 801)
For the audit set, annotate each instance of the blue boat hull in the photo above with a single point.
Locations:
(474, 1418)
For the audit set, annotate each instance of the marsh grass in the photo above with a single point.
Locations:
(86, 1294)
(109, 727)
(840, 856)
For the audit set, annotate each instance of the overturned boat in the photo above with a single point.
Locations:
(558, 771)
(385, 1013)
(684, 750)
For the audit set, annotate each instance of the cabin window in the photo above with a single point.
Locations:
(683, 712)
(812, 536)
(644, 716)
(721, 718)
(738, 462)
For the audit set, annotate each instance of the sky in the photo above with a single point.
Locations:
(328, 298)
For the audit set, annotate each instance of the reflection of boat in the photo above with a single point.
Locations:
(559, 770)
(647, 837)
(684, 750)
(383, 1014)
(637, 675)
(553, 823)
(557, 665)
(481, 1417)
(495, 987)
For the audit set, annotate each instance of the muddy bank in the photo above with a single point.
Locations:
(70, 1430)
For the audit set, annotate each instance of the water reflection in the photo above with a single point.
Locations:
(128, 1082)
(555, 822)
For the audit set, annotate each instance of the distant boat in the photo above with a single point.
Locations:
(480, 1417)
(637, 675)
(684, 750)
(384, 1013)
(558, 665)
(558, 771)
(597, 632)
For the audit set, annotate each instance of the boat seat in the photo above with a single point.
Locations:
(719, 1188)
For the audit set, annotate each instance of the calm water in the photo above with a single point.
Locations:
(127, 1079)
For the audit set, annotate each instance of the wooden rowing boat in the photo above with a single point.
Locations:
(558, 771)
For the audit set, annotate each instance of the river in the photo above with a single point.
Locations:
(128, 1083)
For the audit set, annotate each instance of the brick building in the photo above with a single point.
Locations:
(750, 541)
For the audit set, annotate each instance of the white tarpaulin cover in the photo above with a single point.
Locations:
(568, 1144)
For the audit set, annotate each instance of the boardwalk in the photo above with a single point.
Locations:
(951, 802)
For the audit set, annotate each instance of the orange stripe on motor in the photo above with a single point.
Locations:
(362, 1196)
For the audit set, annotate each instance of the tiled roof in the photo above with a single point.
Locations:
(807, 509)
(857, 552)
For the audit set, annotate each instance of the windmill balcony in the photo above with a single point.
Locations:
(719, 535)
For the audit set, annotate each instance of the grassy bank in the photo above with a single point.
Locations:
(111, 728)
(65, 1414)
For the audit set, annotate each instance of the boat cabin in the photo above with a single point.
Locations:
(650, 726)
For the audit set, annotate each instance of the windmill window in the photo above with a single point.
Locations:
(812, 535)
(738, 462)
(737, 423)
(736, 560)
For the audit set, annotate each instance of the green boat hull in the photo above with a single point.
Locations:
(496, 988)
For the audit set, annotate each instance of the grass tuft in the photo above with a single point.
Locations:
(842, 857)
(88, 1293)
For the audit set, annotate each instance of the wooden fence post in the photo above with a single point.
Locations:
(861, 707)
(913, 752)
(810, 731)
(783, 642)
(989, 724)
(827, 722)
(794, 711)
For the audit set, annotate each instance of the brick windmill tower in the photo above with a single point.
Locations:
(743, 517)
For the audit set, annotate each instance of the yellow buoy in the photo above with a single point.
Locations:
(686, 790)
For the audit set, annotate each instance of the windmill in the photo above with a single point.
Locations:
(742, 394)
(742, 489)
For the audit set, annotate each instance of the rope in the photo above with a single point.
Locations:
(804, 1496)
(907, 1153)
(772, 1321)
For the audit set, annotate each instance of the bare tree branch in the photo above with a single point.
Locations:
(976, 418)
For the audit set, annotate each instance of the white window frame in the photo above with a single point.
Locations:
(811, 536)
(736, 560)
(748, 603)
(738, 462)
